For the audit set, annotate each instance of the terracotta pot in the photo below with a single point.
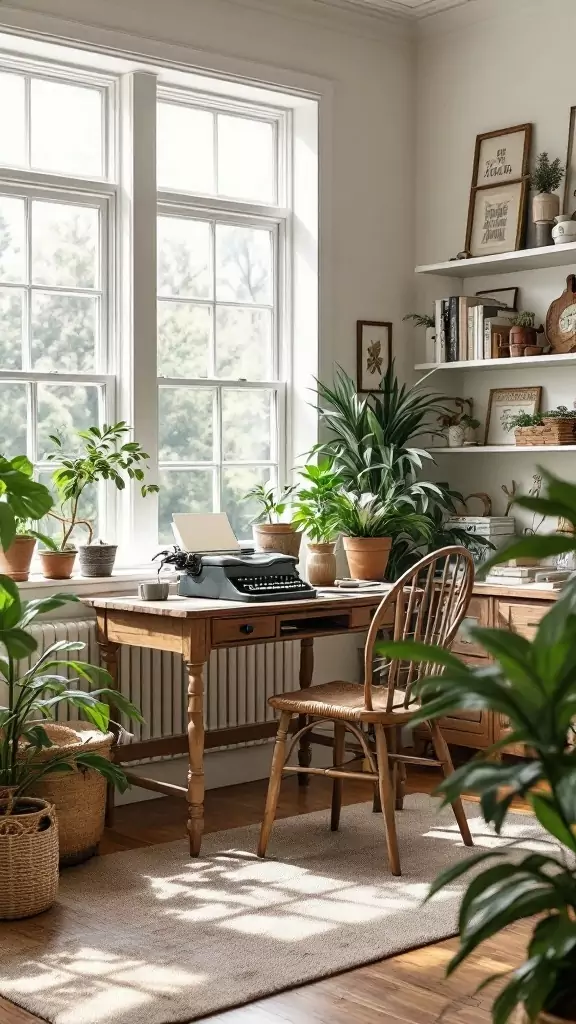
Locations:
(545, 207)
(57, 565)
(15, 561)
(520, 337)
(97, 559)
(279, 537)
(367, 556)
(321, 565)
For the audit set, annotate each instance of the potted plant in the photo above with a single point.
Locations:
(429, 323)
(557, 427)
(106, 455)
(28, 831)
(532, 684)
(368, 524)
(523, 333)
(22, 501)
(545, 179)
(313, 512)
(270, 534)
(455, 424)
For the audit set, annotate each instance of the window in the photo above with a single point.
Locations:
(221, 396)
(56, 220)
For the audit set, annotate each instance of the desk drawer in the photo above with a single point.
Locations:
(521, 616)
(230, 631)
(478, 614)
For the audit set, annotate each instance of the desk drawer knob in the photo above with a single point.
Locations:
(247, 628)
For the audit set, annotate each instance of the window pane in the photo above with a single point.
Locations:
(245, 158)
(66, 128)
(64, 331)
(12, 239)
(235, 484)
(184, 258)
(12, 120)
(13, 414)
(184, 333)
(186, 424)
(243, 343)
(243, 264)
(65, 245)
(182, 491)
(11, 321)
(185, 147)
(87, 509)
(246, 425)
(63, 409)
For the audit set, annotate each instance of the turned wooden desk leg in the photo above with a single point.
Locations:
(109, 659)
(305, 678)
(195, 795)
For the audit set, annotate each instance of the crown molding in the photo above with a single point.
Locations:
(361, 17)
(396, 9)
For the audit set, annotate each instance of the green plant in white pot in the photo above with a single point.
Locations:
(545, 179)
(106, 455)
(270, 532)
(313, 512)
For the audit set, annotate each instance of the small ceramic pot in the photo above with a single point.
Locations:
(57, 565)
(281, 538)
(564, 230)
(321, 565)
(15, 561)
(455, 435)
(367, 557)
(97, 559)
(545, 207)
(520, 337)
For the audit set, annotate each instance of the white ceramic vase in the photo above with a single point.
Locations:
(456, 435)
(564, 230)
(545, 207)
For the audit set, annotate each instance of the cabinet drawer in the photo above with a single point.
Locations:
(230, 631)
(466, 728)
(478, 614)
(521, 616)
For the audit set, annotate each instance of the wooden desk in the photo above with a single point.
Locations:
(193, 628)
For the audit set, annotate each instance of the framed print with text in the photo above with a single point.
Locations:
(374, 353)
(497, 219)
(502, 156)
(506, 402)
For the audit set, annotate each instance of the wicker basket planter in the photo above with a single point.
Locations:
(28, 858)
(79, 796)
(552, 431)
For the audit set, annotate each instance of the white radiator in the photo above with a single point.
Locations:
(238, 681)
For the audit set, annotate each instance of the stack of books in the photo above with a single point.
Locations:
(467, 328)
(519, 576)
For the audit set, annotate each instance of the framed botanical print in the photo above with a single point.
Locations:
(506, 402)
(374, 353)
(497, 219)
(570, 181)
(502, 156)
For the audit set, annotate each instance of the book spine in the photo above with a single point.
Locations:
(477, 351)
(440, 336)
(463, 328)
(471, 331)
(446, 328)
(453, 320)
(487, 339)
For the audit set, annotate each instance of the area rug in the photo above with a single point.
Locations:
(150, 936)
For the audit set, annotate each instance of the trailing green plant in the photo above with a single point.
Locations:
(470, 421)
(22, 500)
(522, 419)
(524, 319)
(547, 176)
(456, 417)
(35, 694)
(106, 455)
(532, 683)
(373, 516)
(313, 505)
(561, 413)
(273, 502)
(421, 319)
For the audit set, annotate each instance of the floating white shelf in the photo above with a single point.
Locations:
(506, 263)
(519, 449)
(502, 364)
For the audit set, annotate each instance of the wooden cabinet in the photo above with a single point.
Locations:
(469, 728)
(521, 617)
(478, 614)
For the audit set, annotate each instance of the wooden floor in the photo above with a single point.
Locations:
(407, 989)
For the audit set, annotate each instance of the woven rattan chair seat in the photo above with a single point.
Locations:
(345, 701)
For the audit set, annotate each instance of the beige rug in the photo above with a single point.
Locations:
(152, 937)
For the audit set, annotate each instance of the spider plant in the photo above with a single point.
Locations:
(373, 516)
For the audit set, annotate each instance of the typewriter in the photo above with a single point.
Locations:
(228, 573)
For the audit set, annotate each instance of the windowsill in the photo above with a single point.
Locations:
(123, 580)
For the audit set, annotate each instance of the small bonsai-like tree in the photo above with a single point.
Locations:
(546, 176)
(106, 455)
(524, 319)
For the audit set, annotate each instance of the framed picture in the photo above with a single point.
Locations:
(497, 219)
(374, 352)
(502, 156)
(507, 296)
(504, 402)
(570, 182)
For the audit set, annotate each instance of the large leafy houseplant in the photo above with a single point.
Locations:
(533, 684)
(270, 532)
(22, 502)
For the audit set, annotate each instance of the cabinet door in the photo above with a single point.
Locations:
(478, 614)
(521, 617)
(469, 728)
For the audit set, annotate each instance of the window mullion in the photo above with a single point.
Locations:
(218, 452)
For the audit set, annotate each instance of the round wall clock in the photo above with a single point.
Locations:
(561, 319)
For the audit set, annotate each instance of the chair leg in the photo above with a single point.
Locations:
(393, 747)
(278, 760)
(337, 759)
(443, 755)
(387, 798)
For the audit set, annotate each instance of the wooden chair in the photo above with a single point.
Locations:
(429, 602)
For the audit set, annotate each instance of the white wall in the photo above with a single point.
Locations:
(491, 65)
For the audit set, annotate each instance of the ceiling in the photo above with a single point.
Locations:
(408, 9)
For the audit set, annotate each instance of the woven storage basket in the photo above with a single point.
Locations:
(79, 796)
(28, 859)
(552, 431)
